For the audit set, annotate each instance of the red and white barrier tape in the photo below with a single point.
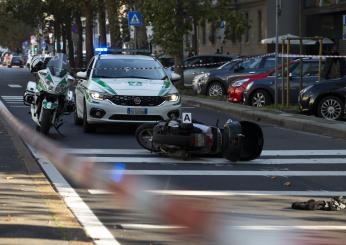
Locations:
(133, 189)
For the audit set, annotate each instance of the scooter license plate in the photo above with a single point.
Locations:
(137, 111)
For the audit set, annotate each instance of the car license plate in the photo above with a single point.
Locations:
(137, 111)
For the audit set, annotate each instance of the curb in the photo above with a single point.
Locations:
(335, 129)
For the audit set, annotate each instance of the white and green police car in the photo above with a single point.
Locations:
(124, 88)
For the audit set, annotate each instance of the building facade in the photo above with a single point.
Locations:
(260, 15)
(325, 18)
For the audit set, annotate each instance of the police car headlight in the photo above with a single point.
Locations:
(97, 95)
(172, 97)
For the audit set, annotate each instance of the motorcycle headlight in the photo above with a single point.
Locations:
(172, 97)
(240, 83)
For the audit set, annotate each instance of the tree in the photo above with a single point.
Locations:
(172, 21)
(102, 22)
(236, 20)
(113, 18)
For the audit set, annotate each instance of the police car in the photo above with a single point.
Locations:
(124, 88)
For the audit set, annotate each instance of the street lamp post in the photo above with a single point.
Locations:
(276, 49)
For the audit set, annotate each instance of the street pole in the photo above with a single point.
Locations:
(276, 49)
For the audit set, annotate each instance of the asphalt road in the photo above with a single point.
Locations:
(304, 164)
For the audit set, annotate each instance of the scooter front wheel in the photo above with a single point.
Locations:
(144, 137)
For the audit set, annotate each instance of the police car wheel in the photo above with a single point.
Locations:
(88, 128)
(77, 121)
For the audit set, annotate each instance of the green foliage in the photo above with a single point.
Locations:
(236, 20)
(13, 30)
(172, 20)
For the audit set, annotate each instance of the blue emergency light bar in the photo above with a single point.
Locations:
(122, 51)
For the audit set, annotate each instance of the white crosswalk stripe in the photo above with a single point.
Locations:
(272, 159)
(12, 99)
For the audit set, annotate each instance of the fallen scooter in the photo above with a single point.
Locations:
(183, 138)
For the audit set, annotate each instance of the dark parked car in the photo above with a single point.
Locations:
(16, 61)
(216, 82)
(261, 92)
(324, 99)
(200, 64)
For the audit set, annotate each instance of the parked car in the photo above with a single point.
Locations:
(261, 92)
(237, 87)
(200, 64)
(324, 99)
(16, 61)
(216, 82)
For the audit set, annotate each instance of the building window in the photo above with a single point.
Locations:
(259, 21)
(247, 33)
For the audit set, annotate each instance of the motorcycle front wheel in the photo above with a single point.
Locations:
(46, 122)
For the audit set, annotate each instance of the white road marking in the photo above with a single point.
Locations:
(14, 85)
(278, 153)
(215, 160)
(149, 227)
(92, 225)
(234, 173)
(98, 192)
(10, 96)
(294, 227)
(322, 193)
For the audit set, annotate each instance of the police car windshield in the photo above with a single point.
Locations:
(128, 68)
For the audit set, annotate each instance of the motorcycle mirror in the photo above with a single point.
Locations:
(82, 74)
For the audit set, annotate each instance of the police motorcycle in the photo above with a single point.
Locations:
(185, 138)
(50, 98)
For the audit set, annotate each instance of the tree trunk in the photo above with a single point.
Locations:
(142, 38)
(112, 11)
(70, 41)
(57, 34)
(63, 28)
(179, 55)
(195, 38)
(102, 23)
(89, 43)
(79, 60)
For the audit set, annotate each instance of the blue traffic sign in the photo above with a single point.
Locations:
(135, 18)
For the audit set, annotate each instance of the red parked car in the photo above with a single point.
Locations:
(236, 89)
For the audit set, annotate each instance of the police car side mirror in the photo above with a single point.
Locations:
(175, 77)
(82, 74)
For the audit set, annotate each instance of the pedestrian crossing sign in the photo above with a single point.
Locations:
(135, 18)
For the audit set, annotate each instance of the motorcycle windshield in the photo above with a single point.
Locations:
(58, 65)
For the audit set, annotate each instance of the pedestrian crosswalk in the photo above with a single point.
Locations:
(270, 157)
(13, 101)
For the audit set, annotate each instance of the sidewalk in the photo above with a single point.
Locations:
(311, 124)
(31, 212)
